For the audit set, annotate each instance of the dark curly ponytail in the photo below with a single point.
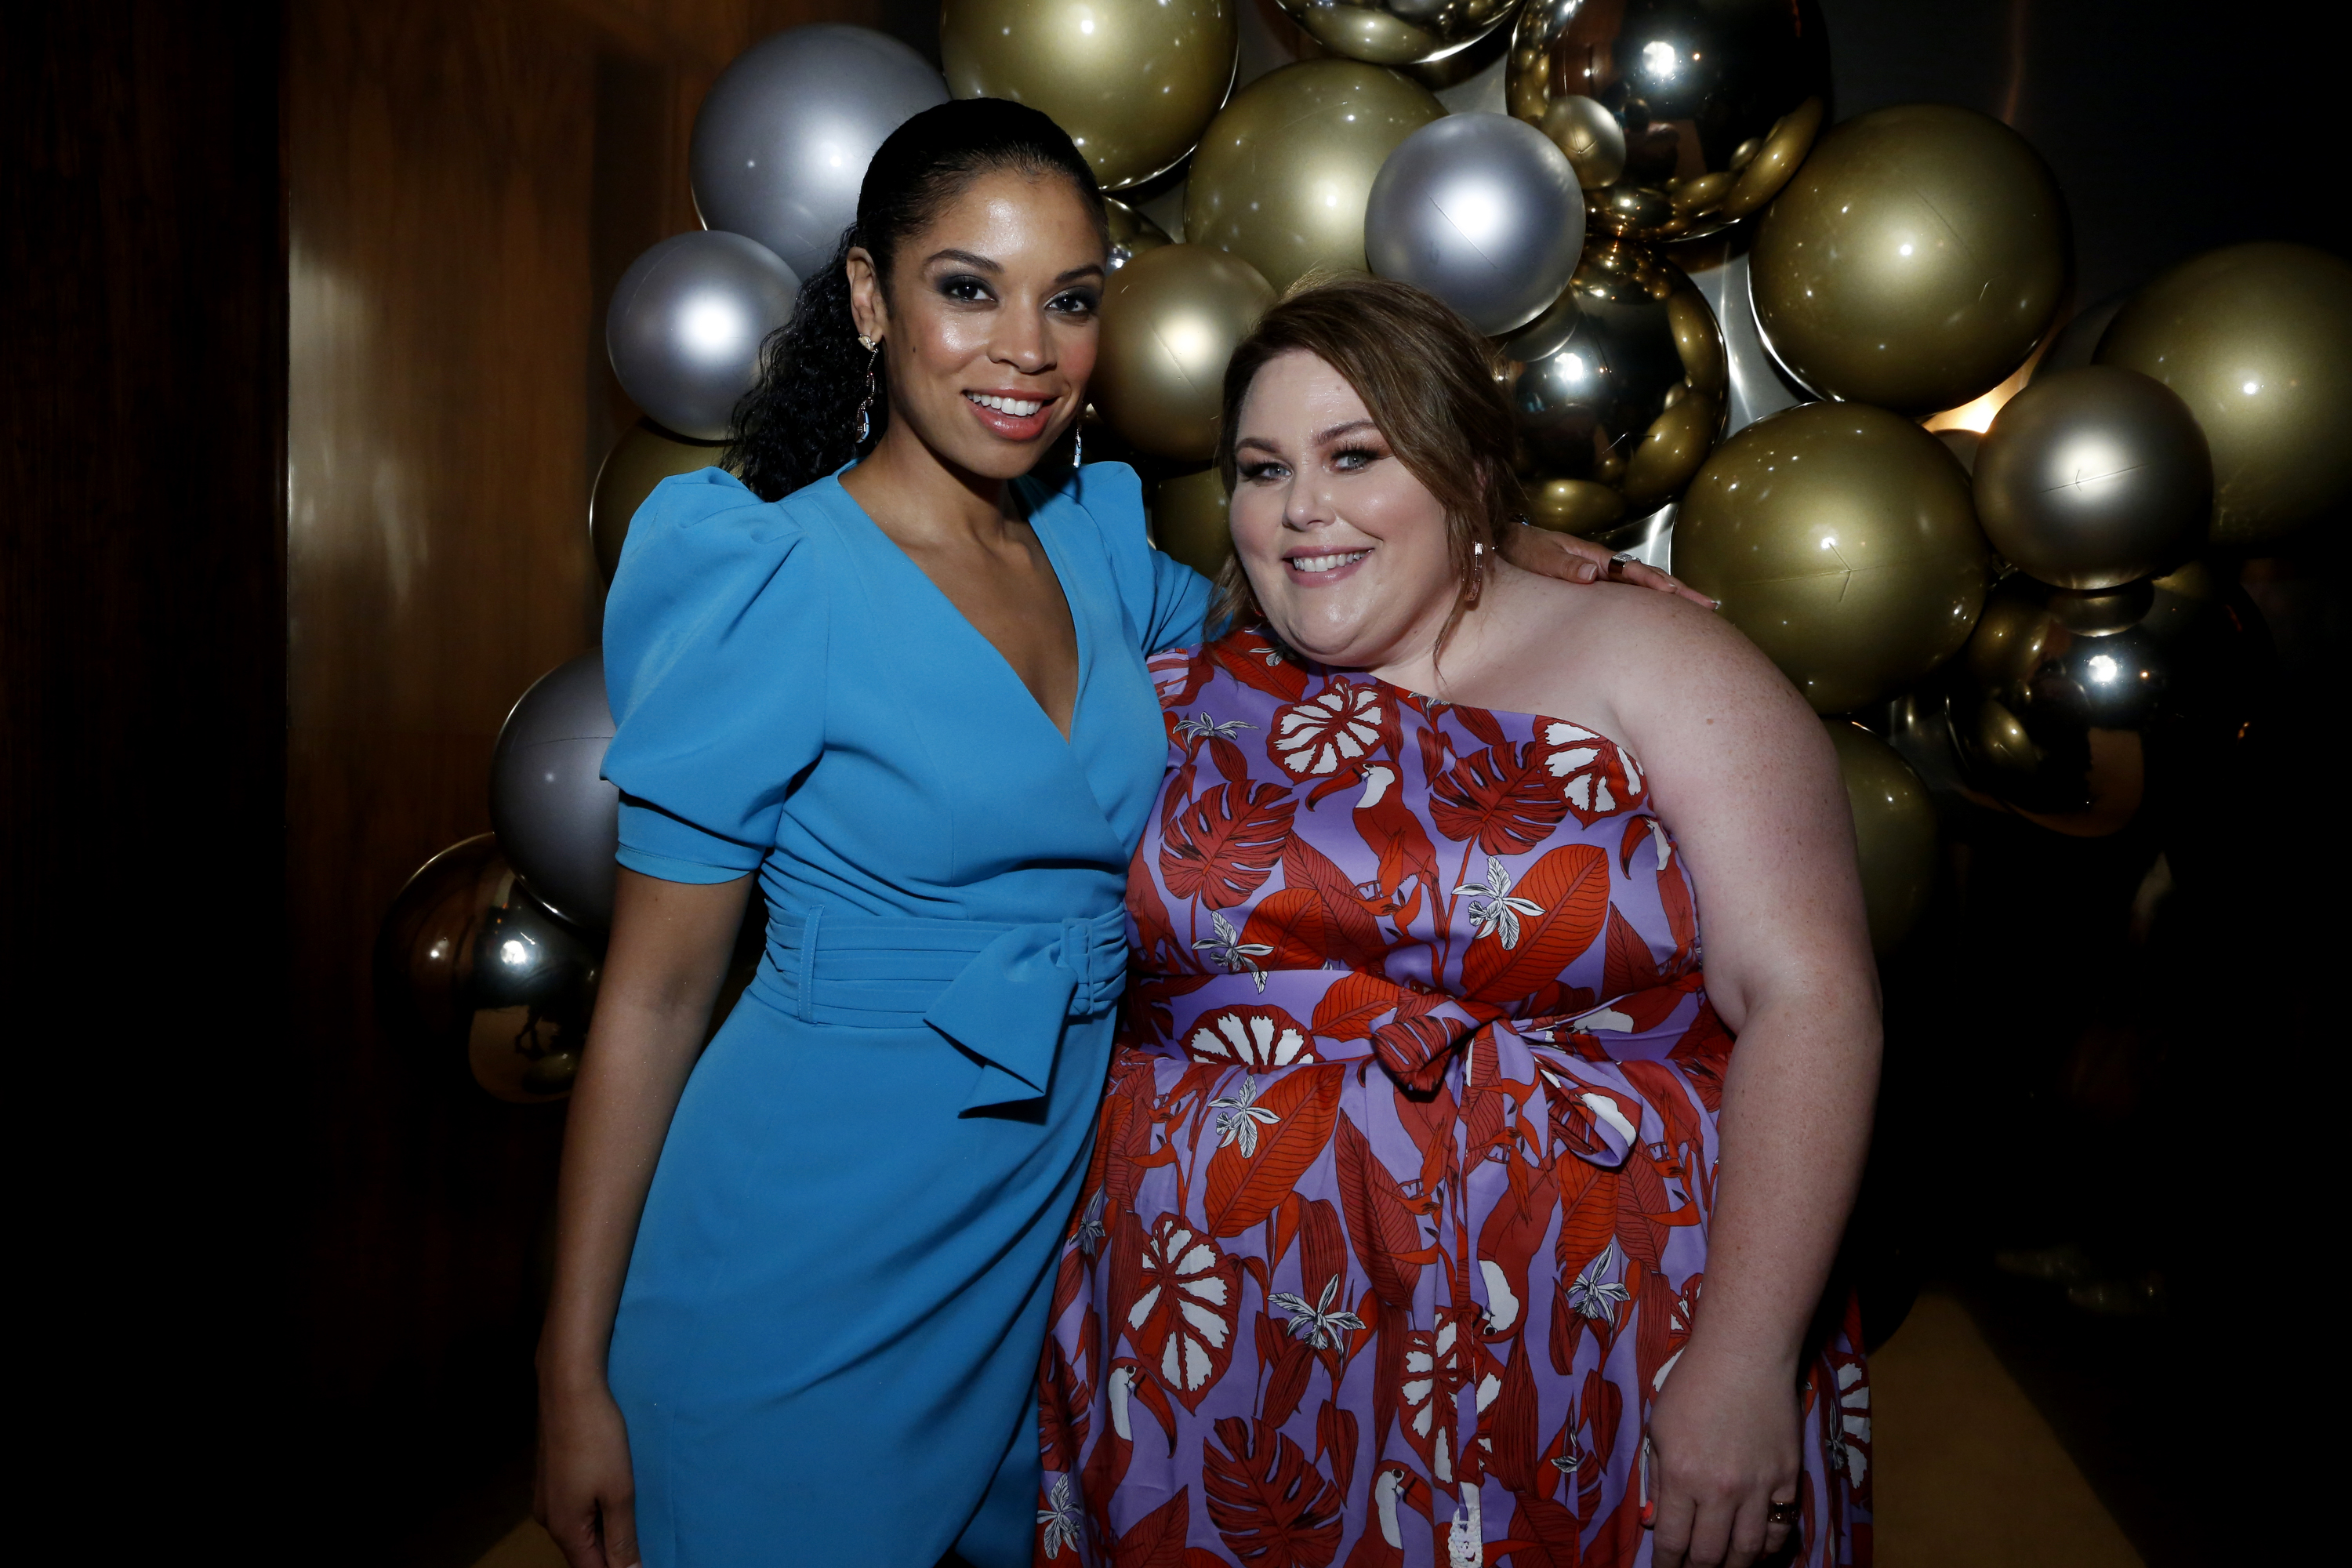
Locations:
(797, 425)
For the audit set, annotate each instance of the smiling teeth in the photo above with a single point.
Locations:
(1020, 408)
(1326, 562)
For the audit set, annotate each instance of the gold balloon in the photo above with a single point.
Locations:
(643, 458)
(1617, 391)
(1171, 320)
(1397, 32)
(2257, 340)
(1841, 540)
(1132, 81)
(1190, 520)
(1131, 233)
(1680, 119)
(1284, 174)
(1894, 832)
(1914, 261)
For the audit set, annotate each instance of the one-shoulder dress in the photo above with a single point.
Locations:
(1397, 1214)
(826, 1347)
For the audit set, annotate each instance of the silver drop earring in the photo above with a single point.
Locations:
(1078, 442)
(865, 409)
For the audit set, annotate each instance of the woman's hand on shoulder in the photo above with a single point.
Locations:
(585, 1494)
(1572, 560)
(1724, 1442)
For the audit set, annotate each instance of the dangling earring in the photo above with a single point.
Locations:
(1079, 441)
(1477, 574)
(865, 409)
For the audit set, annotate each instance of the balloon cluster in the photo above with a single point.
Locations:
(2023, 617)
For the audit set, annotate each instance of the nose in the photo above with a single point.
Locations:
(1305, 505)
(1022, 342)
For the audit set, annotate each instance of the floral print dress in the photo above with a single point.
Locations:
(1398, 1206)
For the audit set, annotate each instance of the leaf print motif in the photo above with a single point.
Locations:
(1252, 659)
(1380, 1224)
(1157, 1541)
(1334, 729)
(1354, 935)
(1594, 777)
(1184, 1315)
(1503, 797)
(1257, 1165)
(1261, 1037)
(1293, 928)
(1569, 887)
(1626, 964)
(1219, 849)
(1348, 1010)
(1271, 1506)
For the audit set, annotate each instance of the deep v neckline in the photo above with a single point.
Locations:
(1055, 562)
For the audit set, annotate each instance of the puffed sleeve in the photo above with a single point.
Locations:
(1165, 600)
(715, 648)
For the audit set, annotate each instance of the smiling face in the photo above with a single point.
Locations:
(1345, 548)
(989, 323)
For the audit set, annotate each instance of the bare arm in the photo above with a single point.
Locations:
(662, 971)
(1742, 774)
(1572, 560)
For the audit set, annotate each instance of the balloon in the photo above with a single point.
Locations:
(1397, 32)
(2092, 477)
(1617, 391)
(1841, 540)
(1133, 82)
(2062, 703)
(1283, 175)
(1171, 320)
(1481, 211)
(1192, 521)
(557, 819)
(2073, 345)
(1914, 261)
(1756, 386)
(643, 458)
(466, 955)
(1894, 831)
(783, 139)
(2257, 340)
(1131, 233)
(1680, 119)
(686, 323)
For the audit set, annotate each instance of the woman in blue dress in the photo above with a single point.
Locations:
(802, 1276)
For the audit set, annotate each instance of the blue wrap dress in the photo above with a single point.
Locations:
(826, 1347)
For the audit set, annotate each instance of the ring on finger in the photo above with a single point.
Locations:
(1619, 562)
(1785, 1512)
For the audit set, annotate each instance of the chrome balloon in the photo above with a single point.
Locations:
(782, 140)
(1131, 233)
(555, 816)
(466, 956)
(1133, 82)
(1398, 32)
(685, 325)
(1483, 212)
(1681, 118)
(1755, 387)
(2092, 478)
(1617, 391)
(2062, 704)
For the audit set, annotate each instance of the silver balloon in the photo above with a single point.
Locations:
(783, 139)
(1482, 211)
(555, 816)
(686, 326)
(1756, 386)
(2075, 343)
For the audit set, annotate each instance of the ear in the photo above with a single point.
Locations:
(867, 308)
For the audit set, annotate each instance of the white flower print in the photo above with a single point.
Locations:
(1227, 948)
(1321, 1326)
(1090, 1228)
(1060, 1520)
(1596, 1295)
(1203, 725)
(1238, 1117)
(1492, 908)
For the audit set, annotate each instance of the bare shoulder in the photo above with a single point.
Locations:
(1634, 636)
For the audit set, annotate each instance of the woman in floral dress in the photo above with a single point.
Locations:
(1433, 1216)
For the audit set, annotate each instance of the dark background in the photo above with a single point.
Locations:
(304, 392)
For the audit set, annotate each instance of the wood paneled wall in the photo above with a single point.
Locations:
(465, 181)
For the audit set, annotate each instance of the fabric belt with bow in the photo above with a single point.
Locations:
(1002, 993)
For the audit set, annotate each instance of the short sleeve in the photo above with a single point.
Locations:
(715, 653)
(1165, 600)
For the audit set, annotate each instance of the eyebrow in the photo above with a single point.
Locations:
(1336, 431)
(973, 258)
